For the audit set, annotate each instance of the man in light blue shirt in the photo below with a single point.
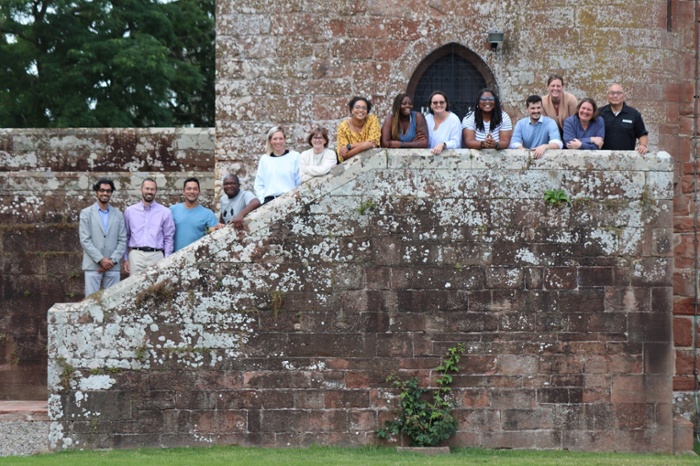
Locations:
(536, 132)
(192, 220)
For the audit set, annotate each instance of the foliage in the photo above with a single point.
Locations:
(423, 417)
(157, 294)
(365, 206)
(67, 372)
(556, 197)
(277, 298)
(106, 63)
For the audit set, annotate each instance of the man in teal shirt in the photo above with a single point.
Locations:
(192, 220)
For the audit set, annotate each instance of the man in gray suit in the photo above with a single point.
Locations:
(103, 238)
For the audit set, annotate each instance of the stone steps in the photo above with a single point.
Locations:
(24, 428)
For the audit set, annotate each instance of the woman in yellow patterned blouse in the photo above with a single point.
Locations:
(360, 132)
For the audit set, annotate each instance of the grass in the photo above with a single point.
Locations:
(328, 456)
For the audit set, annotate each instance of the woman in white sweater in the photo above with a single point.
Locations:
(278, 169)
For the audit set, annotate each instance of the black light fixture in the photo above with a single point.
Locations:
(495, 38)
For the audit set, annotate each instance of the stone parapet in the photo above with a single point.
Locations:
(107, 149)
(284, 334)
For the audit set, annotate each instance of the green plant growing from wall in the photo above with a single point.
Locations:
(67, 372)
(157, 294)
(140, 353)
(365, 206)
(424, 415)
(94, 426)
(277, 298)
(556, 197)
(646, 199)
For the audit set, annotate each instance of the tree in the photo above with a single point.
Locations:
(106, 63)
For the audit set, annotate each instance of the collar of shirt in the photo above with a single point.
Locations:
(145, 207)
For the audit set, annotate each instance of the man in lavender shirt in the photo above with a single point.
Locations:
(149, 230)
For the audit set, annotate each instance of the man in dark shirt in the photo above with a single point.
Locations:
(623, 124)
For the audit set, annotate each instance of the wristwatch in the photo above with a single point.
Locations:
(349, 146)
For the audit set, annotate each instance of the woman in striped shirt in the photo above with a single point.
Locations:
(487, 127)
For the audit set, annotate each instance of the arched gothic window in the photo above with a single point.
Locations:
(455, 70)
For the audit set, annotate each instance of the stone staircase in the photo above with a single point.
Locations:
(24, 428)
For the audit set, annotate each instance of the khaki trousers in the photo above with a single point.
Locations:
(139, 260)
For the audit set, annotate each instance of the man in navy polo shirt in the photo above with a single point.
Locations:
(623, 124)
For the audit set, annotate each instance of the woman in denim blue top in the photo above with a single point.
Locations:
(404, 127)
(585, 130)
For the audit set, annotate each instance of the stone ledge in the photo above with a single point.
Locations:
(24, 411)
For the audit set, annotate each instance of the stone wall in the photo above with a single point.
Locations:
(284, 334)
(45, 180)
(298, 64)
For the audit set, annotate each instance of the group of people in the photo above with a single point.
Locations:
(147, 231)
(554, 121)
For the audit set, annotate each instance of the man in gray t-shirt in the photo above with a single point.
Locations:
(236, 204)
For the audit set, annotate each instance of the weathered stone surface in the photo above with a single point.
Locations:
(289, 333)
(272, 70)
(45, 180)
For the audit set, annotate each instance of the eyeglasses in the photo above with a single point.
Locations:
(319, 137)
(231, 183)
(442, 102)
(615, 93)
(105, 191)
(487, 99)
(360, 107)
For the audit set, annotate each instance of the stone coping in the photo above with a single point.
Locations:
(23, 410)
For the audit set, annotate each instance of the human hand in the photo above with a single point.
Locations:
(105, 264)
(574, 144)
(598, 141)
(439, 148)
(237, 222)
(642, 149)
(420, 136)
(489, 142)
(126, 267)
(539, 151)
(215, 227)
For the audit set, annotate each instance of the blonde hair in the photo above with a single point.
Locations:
(273, 130)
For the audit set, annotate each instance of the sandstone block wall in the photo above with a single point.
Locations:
(45, 180)
(298, 64)
(283, 335)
